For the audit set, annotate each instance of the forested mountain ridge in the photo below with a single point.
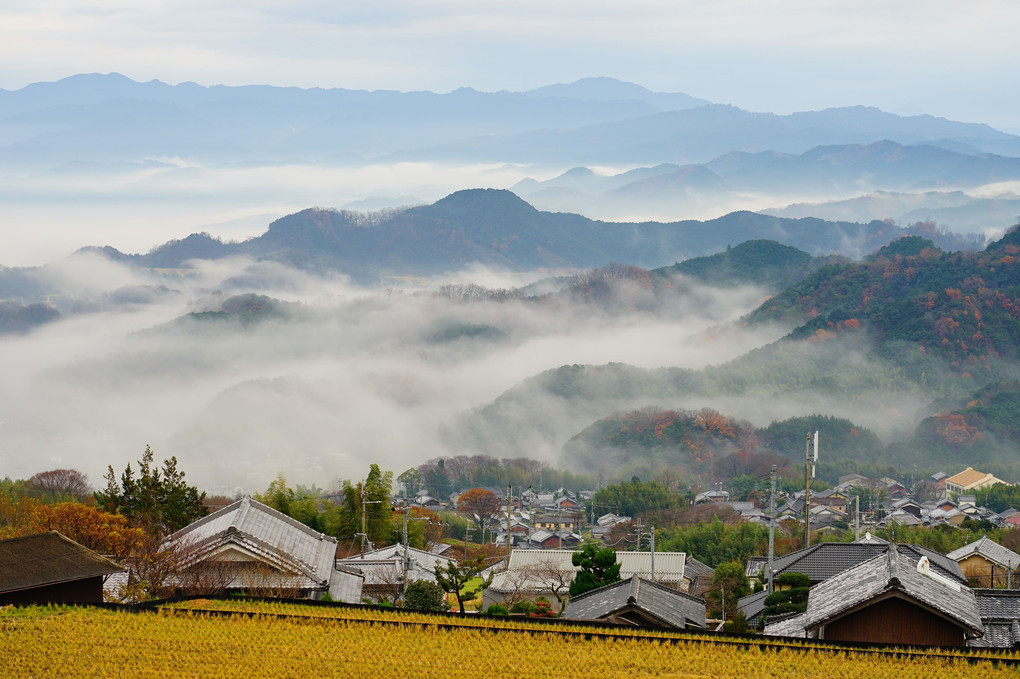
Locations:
(495, 228)
(964, 307)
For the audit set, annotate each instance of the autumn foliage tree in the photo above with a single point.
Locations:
(100, 531)
(480, 505)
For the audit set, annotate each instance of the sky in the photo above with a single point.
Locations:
(942, 57)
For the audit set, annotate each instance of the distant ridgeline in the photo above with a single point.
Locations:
(497, 229)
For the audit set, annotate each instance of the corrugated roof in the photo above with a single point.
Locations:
(670, 607)
(48, 559)
(280, 539)
(891, 574)
(669, 566)
(989, 549)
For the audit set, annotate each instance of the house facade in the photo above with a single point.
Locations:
(248, 546)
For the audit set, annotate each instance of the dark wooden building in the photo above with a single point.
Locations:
(890, 600)
(49, 568)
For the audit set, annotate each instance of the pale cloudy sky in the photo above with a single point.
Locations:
(945, 57)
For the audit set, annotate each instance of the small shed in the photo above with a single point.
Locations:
(49, 568)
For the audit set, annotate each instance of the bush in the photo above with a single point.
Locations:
(526, 607)
(543, 609)
(793, 580)
(497, 609)
(422, 595)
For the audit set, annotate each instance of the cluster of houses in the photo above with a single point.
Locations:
(537, 520)
(895, 594)
(836, 508)
(868, 590)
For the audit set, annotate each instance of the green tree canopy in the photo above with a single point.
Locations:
(158, 500)
(598, 568)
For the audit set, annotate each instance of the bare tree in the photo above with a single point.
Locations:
(555, 579)
(60, 484)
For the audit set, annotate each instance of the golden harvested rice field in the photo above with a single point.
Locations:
(291, 640)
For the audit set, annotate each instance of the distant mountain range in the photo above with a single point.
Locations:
(497, 229)
(109, 118)
(820, 173)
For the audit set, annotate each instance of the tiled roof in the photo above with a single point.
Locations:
(382, 565)
(695, 569)
(826, 559)
(989, 549)
(752, 605)
(791, 625)
(279, 539)
(669, 606)
(892, 574)
(48, 559)
(1000, 613)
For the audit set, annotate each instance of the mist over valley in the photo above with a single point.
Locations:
(265, 281)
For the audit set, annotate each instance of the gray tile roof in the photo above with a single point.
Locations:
(791, 625)
(48, 559)
(669, 607)
(826, 559)
(695, 569)
(752, 605)
(382, 565)
(891, 574)
(278, 539)
(989, 549)
(1000, 613)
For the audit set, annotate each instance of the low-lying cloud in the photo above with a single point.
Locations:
(342, 378)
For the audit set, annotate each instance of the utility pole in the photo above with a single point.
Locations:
(467, 534)
(772, 525)
(652, 533)
(406, 557)
(857, 518)
(509, 507)
(364, 524)
(809, 473)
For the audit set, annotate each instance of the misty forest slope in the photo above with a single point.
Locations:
(909, 342)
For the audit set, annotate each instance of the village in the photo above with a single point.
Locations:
(846, 584)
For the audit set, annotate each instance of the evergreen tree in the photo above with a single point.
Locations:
(598, 568)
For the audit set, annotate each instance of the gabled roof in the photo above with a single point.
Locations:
(665, 605)
(892, 575)
(826, 559)
(48, 559)
(276, 538)
(989, 549)
(971, 478)
(380, 566)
